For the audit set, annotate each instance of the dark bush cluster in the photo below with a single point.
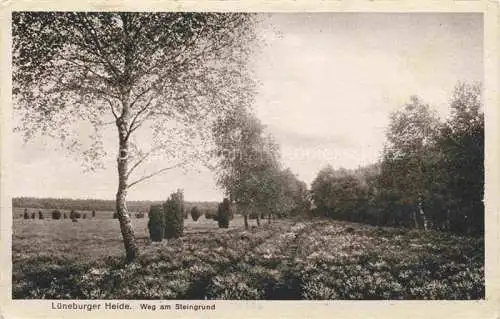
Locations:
(174, 215)
(56, 214)
(26, 215)
(167, 220)
(139, 215)
(224, 213)
(210, 214)
(195, 213)
(74, 214)
(156, 223)
(253, 215)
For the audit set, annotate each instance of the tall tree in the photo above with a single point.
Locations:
(411, 132)
(461, 145)
(247, 162)
(171, 74)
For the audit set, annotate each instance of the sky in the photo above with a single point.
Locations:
(328, 82)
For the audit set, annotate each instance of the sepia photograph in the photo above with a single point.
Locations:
(197, 155)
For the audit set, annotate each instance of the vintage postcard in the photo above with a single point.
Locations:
(287, 159)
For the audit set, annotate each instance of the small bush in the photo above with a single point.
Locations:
(26, 215)
(156, 223)
(139, 215)
(65, 216)
(84, 216)
(209, 214)
(195, 213)
(33, 216)
(349, 230)
(93, 213)
(74, 220)
(253, 215)
(40, 214)
(115, 215)
(224, 213)
(56, 214)
(74, 214)
(174, 215)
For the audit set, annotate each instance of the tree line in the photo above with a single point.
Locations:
(95, 204)
(431, 175)
(249, 170)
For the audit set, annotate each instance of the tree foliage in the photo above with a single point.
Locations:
(250, 171)
(171, 74)
(431, 175)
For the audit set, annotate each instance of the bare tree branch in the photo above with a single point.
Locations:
(134, 124)
(155, 173)
(112, 108)
(143, 158)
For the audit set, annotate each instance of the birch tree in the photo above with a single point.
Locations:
(411, 131)
(169, 74)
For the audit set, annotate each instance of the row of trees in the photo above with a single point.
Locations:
(431, 175)
(56, 214)
(250, 171)
(95, 204)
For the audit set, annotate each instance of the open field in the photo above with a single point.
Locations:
(318, 259)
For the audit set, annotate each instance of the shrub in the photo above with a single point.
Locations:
(156, 223)
(224, 213)
(174, 215)
(84, 216)
(74, 214)
(32, 215)
(26, 215)
(40, 214)
(139, 215)
(74, 220)
(253, 215)
(115, 215)
(195, 213)
(56, 214)
(209, 214)
(65, 216)
(93, 213)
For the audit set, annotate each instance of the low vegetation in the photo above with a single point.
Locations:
(318, 259)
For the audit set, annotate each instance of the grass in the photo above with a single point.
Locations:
(319, 259)
(89, 238)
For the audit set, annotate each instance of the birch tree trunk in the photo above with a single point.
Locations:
(414, 213)
(121, 195)
(422, 214)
